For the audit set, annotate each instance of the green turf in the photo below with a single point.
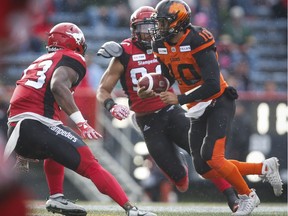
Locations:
(167, 209)
(119, 213)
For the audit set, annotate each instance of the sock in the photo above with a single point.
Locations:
(232, 198)
(232, 175)
(127, 206)
(54, 176)
(225, 187)
(221, 183)
(248, 168)
(56, 195)
(227, 169)
(102, 179)
(211, 174)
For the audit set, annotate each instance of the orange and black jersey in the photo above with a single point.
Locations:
(193, 63)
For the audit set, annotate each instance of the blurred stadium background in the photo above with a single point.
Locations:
(251, 37)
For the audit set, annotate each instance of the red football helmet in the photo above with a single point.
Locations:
(140, 24)
(66, 35)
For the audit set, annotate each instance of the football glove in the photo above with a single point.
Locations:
(87, 131)
(119, 111)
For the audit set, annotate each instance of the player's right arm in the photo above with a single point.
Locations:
(62, 81)
(106, 86)
(109, 80)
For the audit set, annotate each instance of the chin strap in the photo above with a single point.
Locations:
(110, 49)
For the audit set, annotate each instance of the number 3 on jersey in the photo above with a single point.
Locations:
(35, 74)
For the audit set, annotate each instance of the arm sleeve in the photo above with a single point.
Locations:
(208, 64)
(75, 65)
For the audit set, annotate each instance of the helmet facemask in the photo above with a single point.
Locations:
(140, 25)
(172, 17)
(161, 30)
(141, 33)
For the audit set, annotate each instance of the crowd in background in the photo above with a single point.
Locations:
(226, 19)
(26, 23)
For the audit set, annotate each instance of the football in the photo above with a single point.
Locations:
(154, 81)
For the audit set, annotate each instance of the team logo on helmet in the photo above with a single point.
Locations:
(176, 7)
(66, 36)
(77, 36)
(172, 17)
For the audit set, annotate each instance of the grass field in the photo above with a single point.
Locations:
(166, 209)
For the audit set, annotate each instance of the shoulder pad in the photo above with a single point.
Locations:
(110, 49)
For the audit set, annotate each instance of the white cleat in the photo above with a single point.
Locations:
(136, 212)
(59, 204)
(247, 203)
(270, 173)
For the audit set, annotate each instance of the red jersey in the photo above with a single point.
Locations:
(138, 63)
(33, 93)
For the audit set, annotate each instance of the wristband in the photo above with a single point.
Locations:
(109, 103)
(77, 117)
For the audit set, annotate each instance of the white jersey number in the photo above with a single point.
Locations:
(142, 71)
(37, 79)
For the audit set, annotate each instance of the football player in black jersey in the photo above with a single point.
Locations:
(164, 127)
(187, 55)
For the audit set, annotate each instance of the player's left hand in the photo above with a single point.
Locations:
(142, 93)
(87, 131)
(168, 97)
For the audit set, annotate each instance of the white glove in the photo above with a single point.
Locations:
(87, 131)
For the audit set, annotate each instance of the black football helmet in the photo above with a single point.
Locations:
(172, 16)
(140, 25)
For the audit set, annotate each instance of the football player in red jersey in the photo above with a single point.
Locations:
(162, 125)
(35, 130)
(187, 54)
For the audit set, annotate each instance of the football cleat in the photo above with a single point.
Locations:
(270, 173)
(59, 204)
(183, 184)
(136, 212)
(247, 203)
